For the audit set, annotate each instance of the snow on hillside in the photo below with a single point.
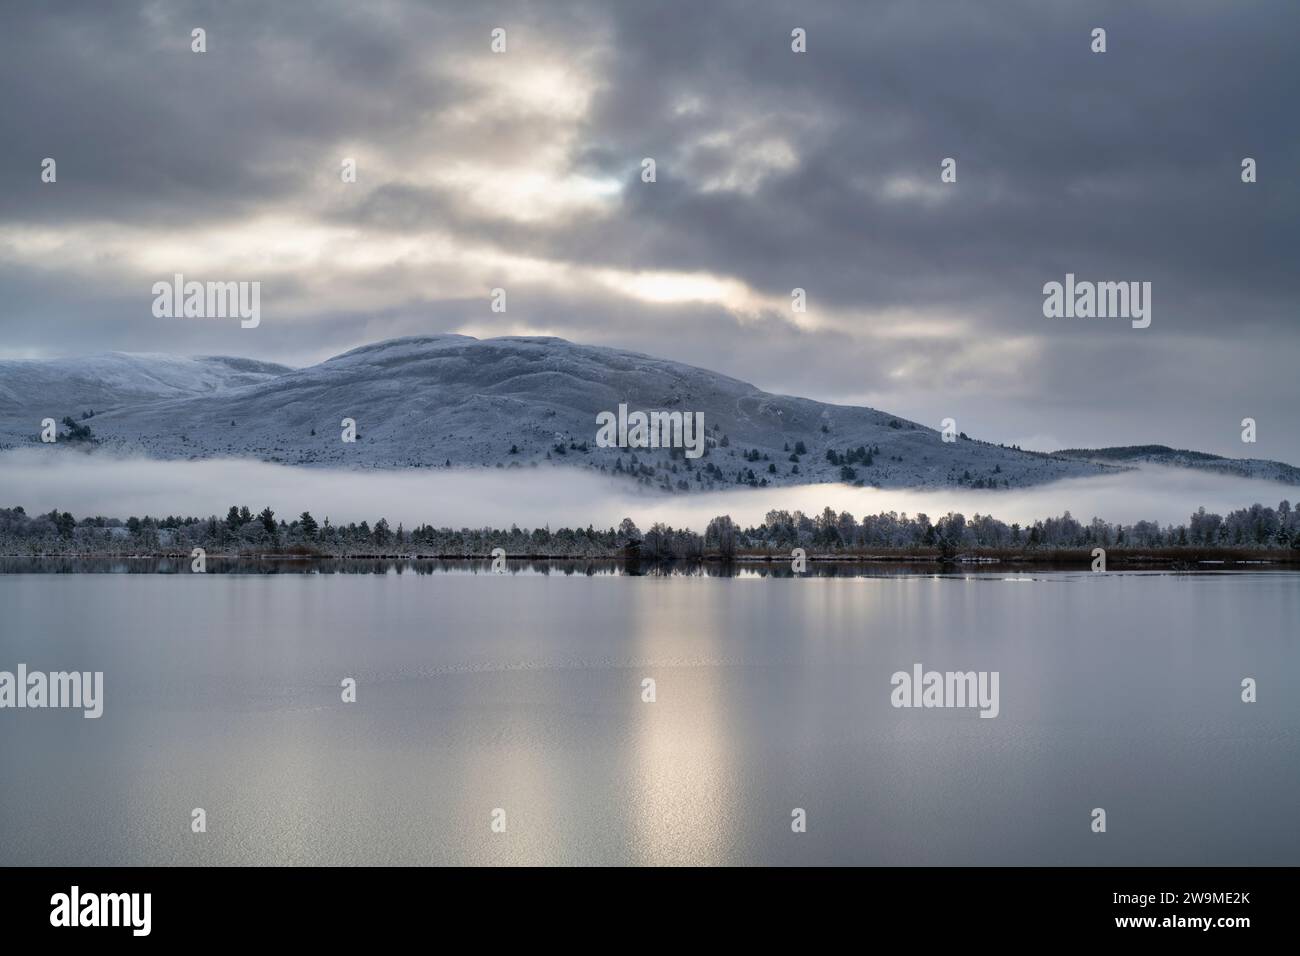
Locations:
(72, 386)
(1259, 468)
(512, 402)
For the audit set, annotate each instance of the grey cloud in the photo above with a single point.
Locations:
(1120, 166)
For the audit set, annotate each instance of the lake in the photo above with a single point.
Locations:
(523, 692)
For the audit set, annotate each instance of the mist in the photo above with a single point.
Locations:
(100, 484)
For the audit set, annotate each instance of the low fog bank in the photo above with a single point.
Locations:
(99, 484)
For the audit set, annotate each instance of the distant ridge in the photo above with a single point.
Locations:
(1184, 458)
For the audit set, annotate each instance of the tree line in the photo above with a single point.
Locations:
(242, 531)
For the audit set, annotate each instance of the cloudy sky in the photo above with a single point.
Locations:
(775, 170)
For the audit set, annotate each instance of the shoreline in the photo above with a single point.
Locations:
(1179, 558)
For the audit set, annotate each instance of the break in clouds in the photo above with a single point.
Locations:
(774, 171)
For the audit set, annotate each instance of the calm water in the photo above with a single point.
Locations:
(523, 692)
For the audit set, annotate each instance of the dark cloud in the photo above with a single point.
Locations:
(774, 169)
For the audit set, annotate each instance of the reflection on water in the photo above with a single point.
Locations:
(524, 693)
(681, 758)
(586, 567)
(251, 565)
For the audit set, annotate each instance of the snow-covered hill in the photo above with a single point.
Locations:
(1259, 468)
(506, 402)
(73, 386)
